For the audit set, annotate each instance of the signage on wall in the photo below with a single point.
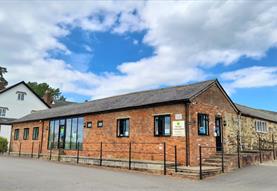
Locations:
(178, 128)
(178, 116)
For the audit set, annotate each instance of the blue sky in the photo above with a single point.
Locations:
(97, 49)
(102, 52)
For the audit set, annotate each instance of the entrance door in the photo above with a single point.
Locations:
(61, 134)
(218, 131)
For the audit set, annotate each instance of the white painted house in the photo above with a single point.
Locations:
(15, 102)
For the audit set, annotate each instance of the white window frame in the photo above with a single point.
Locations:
(261, 126)
(20, 95)
(3, 111)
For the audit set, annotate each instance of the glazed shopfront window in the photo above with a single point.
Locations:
(66, 133)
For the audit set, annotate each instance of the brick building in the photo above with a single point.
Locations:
(182, 116)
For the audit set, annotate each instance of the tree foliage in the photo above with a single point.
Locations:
(40, 89)
(3, 145)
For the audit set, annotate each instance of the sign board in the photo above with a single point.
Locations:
(178, 116)
(178, 128)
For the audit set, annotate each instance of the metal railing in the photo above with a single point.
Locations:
(167, 153)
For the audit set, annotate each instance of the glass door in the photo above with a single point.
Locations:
(62, 134)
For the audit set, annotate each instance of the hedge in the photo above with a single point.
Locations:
(3, 145)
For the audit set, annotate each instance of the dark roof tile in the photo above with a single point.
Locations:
(130, 100)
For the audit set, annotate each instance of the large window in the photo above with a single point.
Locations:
(35, 133)
(162, 125)
(203, 124)
(16, 134)
(26, 134)
(66, 133)
(123, 127)
(261, 126)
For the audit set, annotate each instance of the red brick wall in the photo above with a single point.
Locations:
(213, 103)
(145, 145)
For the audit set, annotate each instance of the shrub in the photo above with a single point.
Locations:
(3, 145)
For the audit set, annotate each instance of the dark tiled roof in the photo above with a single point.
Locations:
(6, 121)
(61, 103)
(262, 114)
(130, 100)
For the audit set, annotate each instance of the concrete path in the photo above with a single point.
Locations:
(40, 175)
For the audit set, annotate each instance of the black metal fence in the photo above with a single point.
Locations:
(262, 146)
(163, 153)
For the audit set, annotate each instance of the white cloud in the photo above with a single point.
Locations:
(186, 36)
(252, 77)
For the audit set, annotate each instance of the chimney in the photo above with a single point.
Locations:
(47, 97)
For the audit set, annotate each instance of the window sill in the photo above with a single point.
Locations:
(122, 136)
(162, 135)
(203, 135)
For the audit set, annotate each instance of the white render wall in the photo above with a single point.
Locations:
(18, 108)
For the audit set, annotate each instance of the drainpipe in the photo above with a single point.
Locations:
(10, 144)
(239, 128)
(42, 132)
(187, 121)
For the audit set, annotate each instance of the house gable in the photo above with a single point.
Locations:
(215, 95)
(19, 100)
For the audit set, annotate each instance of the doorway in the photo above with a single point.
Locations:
(218, 132)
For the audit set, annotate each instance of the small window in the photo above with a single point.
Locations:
(20, 95)
(123, 127)
(203, 124)
(100, 124)
(16, 134)
(261, 126)
(89, 124)
(3, 111)
(162, 125)
(26, 134)
(35, 133)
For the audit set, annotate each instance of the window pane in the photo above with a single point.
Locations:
(80, 131)
(56, 134)
(26, 134)
(123, 127)
(35, 133)
(74, 133)
(203, 124)
(156, 125)
(167, 125)
(68, 134)
(16, 134)
(51, 134)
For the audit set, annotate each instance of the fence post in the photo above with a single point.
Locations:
(101, 153)
(260, 150)
(19, 154)
(51, 147)
(78, 152)
(59, 154)
(32, 154)
(222, 159)
(164, 158)
(130, 155)
(38, 149)
(273, 147)
(238, 150)
(175, 154)
(200, 163)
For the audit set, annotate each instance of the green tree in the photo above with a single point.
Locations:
(3, 145)
(40, 89)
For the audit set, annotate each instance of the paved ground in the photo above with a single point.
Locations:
(39, 175)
